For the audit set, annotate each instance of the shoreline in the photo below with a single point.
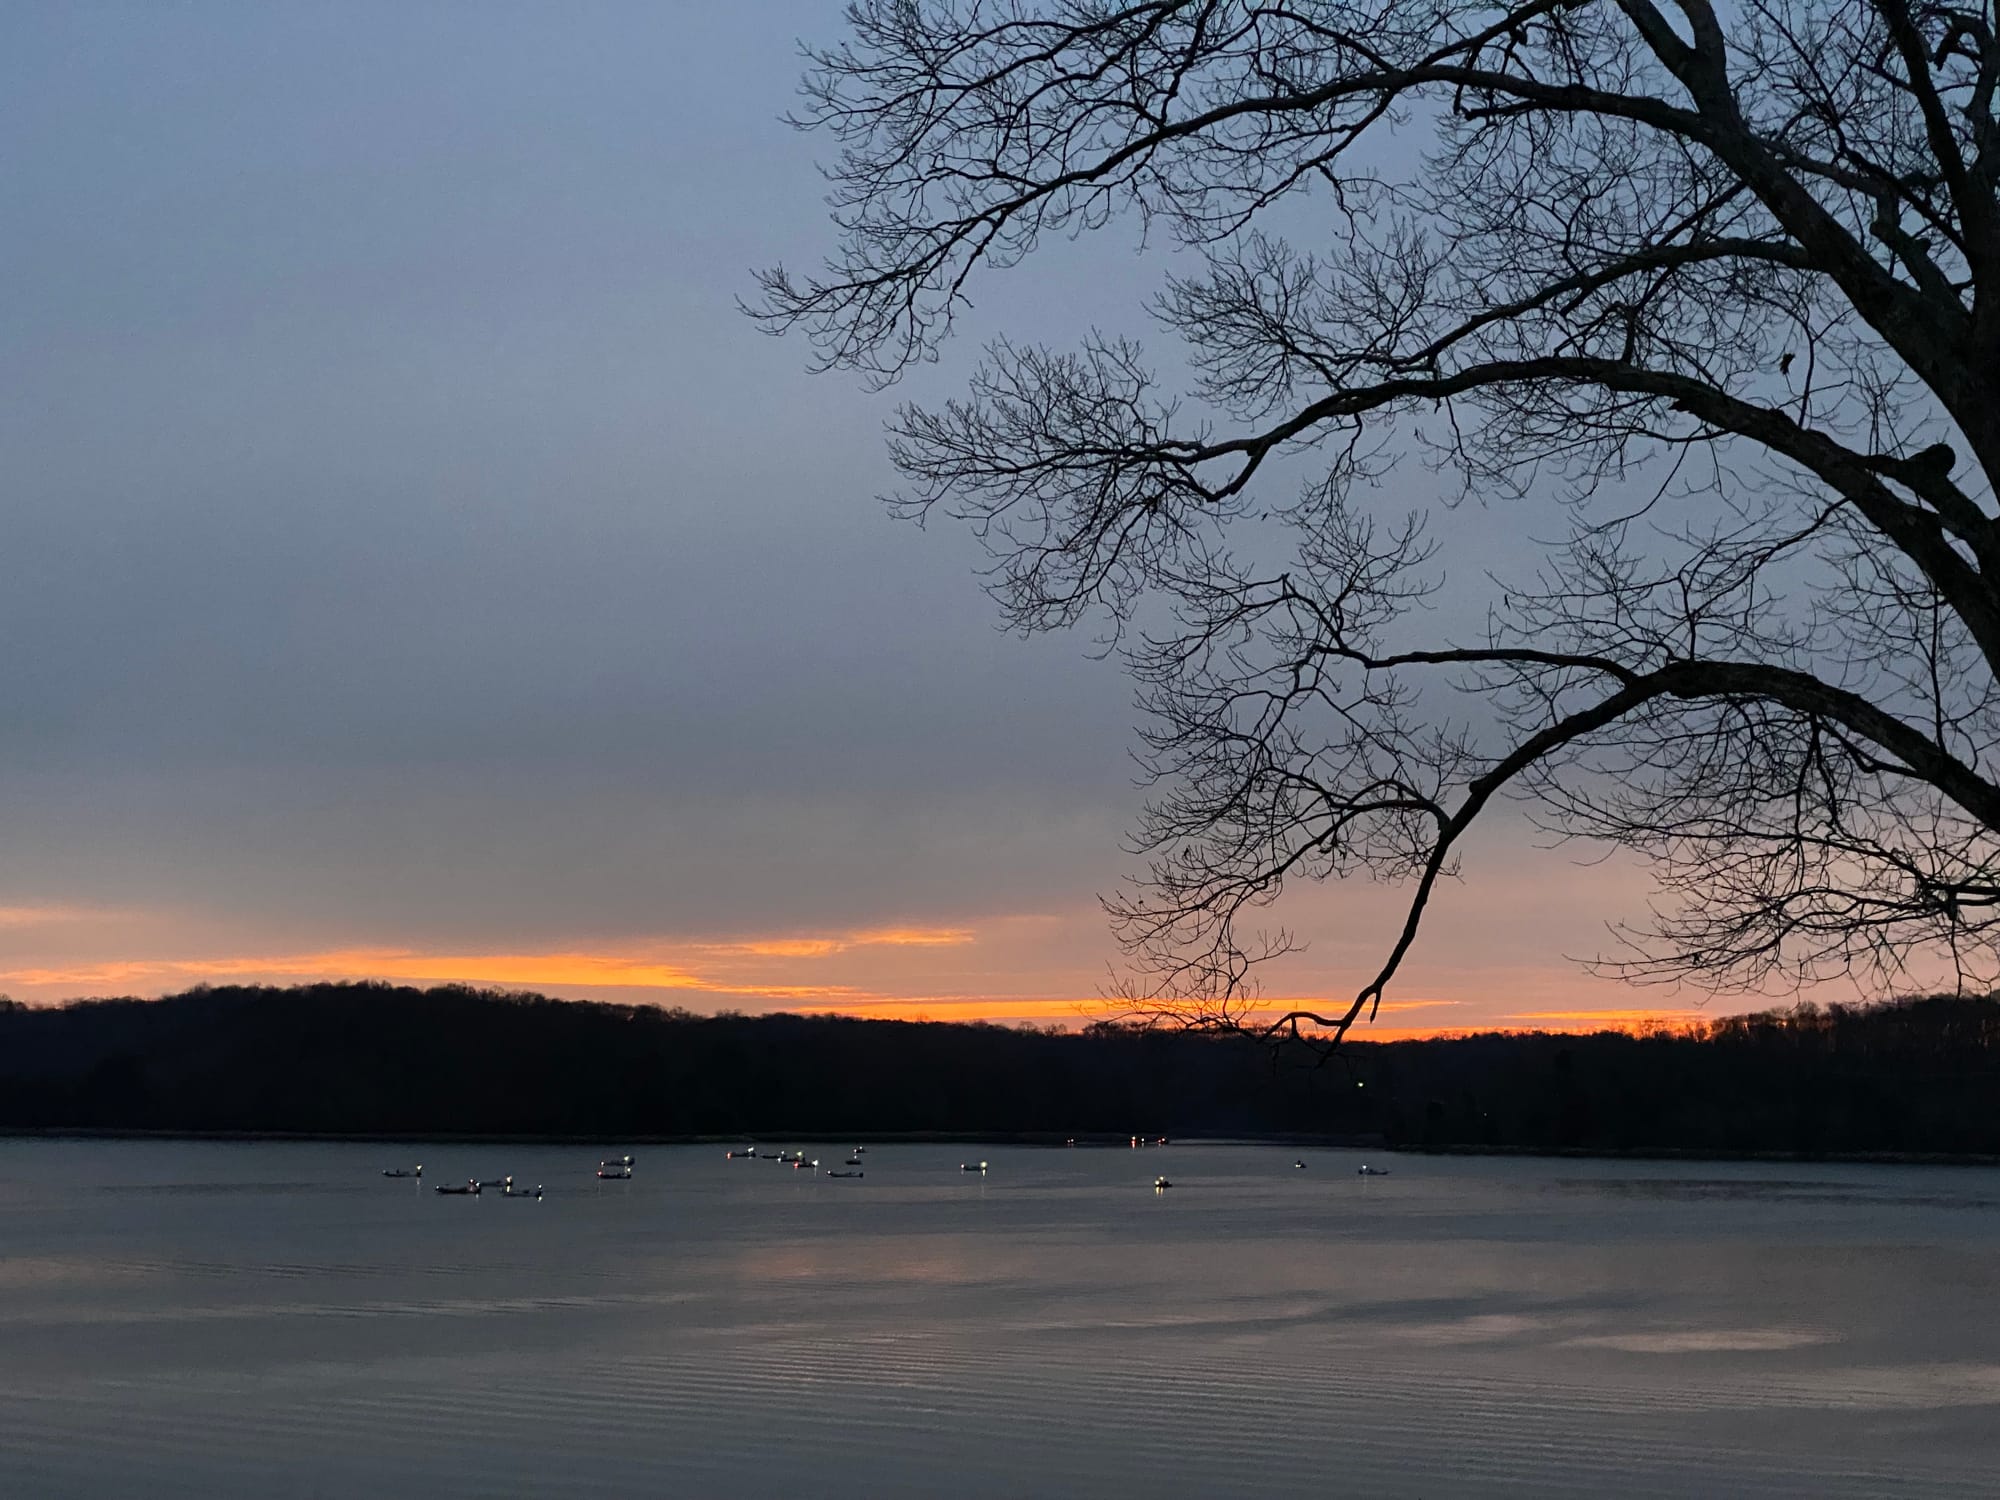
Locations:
(1042, 1139)
(1092, 1141)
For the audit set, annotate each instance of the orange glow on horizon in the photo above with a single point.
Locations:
(911, 972)
(1609, 1020)
(378, 963)
(1082, 1012)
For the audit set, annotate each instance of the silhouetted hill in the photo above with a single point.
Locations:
(1914, 1076)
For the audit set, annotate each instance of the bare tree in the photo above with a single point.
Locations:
(1728, 281)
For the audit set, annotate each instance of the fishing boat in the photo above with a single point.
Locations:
(831, 1173)
(1160, 1184)
(612, 1172)
(748, 1153)
(853, 1161)
(1300, 1165)
(401, 1172)
(1368, 1171)
(510, 1191)
(972, 1166)
(468, 1188)
(487, 1182)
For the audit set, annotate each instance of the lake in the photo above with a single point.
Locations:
(277, 1319)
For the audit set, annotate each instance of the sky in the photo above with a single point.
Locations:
(418, 568)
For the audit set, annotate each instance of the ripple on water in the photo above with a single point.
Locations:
(1471, 1333)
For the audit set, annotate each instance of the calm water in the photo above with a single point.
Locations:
(279, 1320)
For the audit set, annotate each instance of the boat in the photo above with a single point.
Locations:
(487, 1182)
(1368, 1171)
(972, 1166)
(748, 1153)
(1160, 1184)
(618, 1161)
(801, 1163)
(860, 1150)
(400, 1172)
(510, 1191)
(772, 1156)
(468, 1188)
(831, 1173)
(853, 1161)
(611, 1172)
(1300, 1165)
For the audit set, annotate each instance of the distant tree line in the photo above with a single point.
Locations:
(1911, 1076)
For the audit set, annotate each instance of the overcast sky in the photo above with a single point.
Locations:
(419, 568)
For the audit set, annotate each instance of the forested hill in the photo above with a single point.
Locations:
(1915, 1076)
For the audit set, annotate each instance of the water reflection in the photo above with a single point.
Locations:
(1789, 1190)
(278, 1319)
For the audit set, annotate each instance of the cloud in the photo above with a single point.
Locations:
(821, 947)
(41, 916)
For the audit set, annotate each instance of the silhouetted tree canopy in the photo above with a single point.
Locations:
(377, 1059)
(1727, 280)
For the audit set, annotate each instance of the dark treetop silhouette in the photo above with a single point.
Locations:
(382, 1060)
(1727, 281)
